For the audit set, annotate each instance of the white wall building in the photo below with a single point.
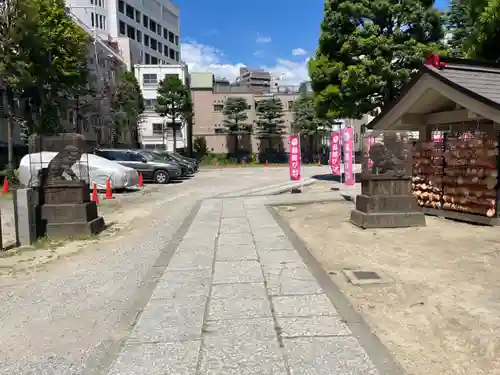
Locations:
(147, 31)
(153, 130)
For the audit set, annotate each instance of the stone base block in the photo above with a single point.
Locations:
(75, 229)
(67, 193)
(69, 213)
(387, 220)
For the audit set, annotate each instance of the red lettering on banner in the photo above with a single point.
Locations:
(294, 160)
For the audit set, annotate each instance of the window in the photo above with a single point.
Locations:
(123, 28)
(165, 34)
(147, 58)
(121, 6)
(152, 25)
(139, 36)
(150, 104)
(145, 21)
(153, 44)
(165, 50)
(130, 32)
(102, 22)
(158, 29)
(146, 40)
(177, 40)
(176, 56)
(171, 54)
(154, 60)
(92, 19)
(171, 37)
(290, 104)
(138, 16)
(157, 129)
(220, 131)
(149, 79)
(218, 107)
(133, 156)
(130, 11)
(160, 47)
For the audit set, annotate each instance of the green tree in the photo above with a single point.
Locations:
(57, 63)
(235, 112)
(459, 26)
(173, 101)
(270, 124)
(127, 105)
(307, 123)
(485, 38)
(367, 51)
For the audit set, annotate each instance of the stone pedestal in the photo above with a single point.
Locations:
(68, 210)
(386, 202)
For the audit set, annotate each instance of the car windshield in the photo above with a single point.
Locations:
(151, 156)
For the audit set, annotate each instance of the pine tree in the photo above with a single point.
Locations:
(235, 112)
(367, 51)
(269, 125)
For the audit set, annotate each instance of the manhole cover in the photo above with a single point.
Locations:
(366, 275)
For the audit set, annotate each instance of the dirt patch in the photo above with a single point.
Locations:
(119, 215)
(441, 314)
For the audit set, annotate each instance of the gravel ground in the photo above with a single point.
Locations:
(439, 313)
(65, 317)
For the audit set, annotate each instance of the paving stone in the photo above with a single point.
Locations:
(239, 290)
(245, 271)
(327, 356)
(186, 283)
(178, 358)
(306, 305)
(198, 238)
(193, 260)
(236, 221)
(237, 330)
(235, 239)
(313, 326)
(279, 257)
(196, 246)
(262, 357)
(263, 234)
(290, 278)
(239, 308)
(273, 243)
(170, 320)
(236, 252)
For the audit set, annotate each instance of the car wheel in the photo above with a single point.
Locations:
(161, 177)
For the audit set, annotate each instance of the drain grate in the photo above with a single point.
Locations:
(366, 275)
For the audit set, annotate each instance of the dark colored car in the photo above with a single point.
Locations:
(186, 168)
(157, 170)
(191, 163)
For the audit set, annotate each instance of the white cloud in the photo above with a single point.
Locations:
(299, 52)
(263, 39)
(203, 58)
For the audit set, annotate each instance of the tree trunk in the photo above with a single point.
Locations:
(10, 143)
(174, 139)
(236, 145)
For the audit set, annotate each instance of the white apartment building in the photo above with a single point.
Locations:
(154, 132)
(147, 31)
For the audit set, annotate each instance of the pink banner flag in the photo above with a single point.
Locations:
(294, 158)
(369, 141)
(335, 153)
(347, 142)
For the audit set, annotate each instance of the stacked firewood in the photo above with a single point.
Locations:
(428, 174)
(470, 176)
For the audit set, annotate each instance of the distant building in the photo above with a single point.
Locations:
(305, 88)
(254, 79)
(153, 130)
(209, 97)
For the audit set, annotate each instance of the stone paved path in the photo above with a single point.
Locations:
(236, 298)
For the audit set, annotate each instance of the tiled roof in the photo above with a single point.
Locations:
(480, 79)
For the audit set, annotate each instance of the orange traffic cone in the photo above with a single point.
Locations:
(109, 192)
(141, 181)
(243, 162)
(95, 195)
(216, 165)
(5, 186)
(267, 163)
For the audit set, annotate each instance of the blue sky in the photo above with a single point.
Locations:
(222, 35)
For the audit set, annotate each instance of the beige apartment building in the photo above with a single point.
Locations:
(209, 96)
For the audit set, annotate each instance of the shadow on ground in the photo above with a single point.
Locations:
(330, 177)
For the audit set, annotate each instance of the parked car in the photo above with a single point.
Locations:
(157, 170)
(187, 167)
(193, 162)
(92, 168)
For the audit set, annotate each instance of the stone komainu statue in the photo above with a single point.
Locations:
(62, 163)
(389, 157)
